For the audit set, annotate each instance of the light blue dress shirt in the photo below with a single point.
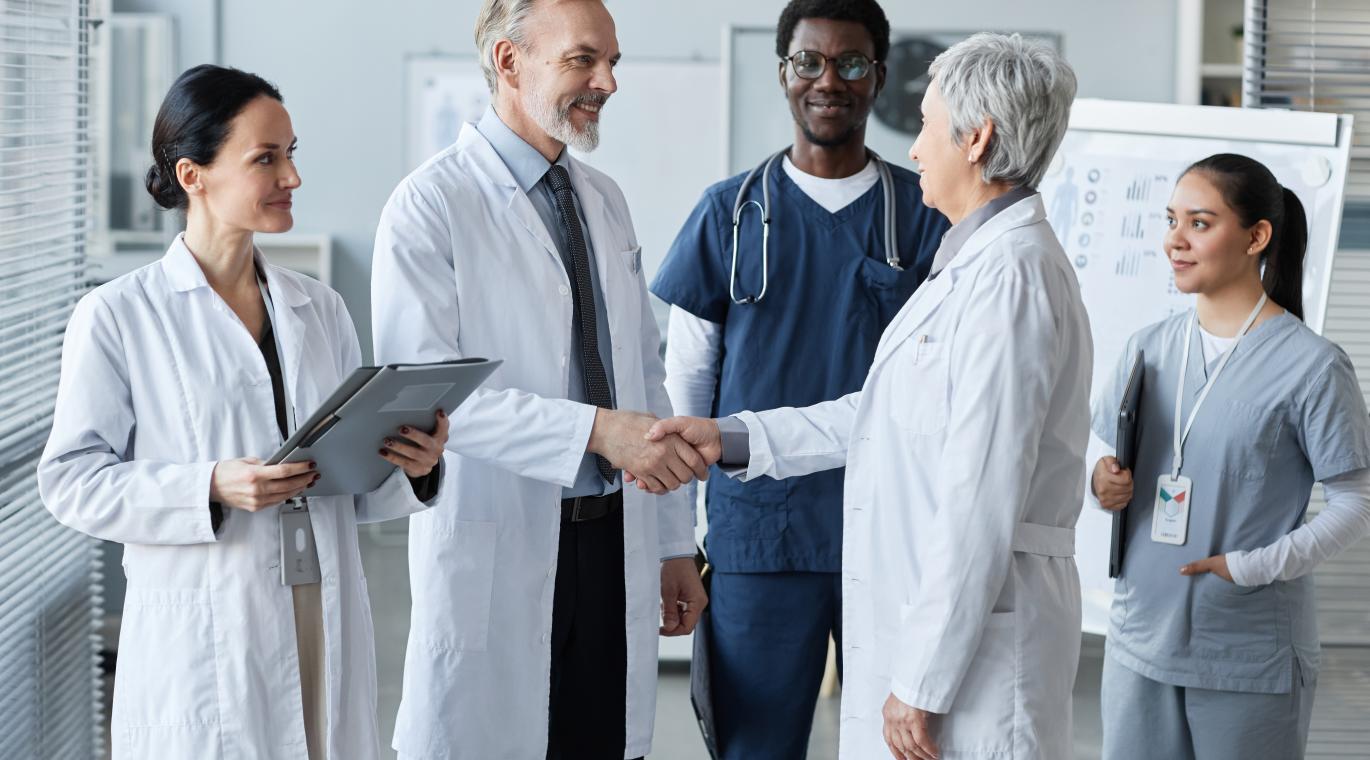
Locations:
(529, 168)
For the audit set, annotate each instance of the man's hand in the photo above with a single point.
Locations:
(907, 731)
(659, 465)
(682, 596)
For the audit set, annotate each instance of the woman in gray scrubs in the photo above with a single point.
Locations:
(1213, 644)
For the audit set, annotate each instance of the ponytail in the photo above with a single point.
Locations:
(1253, 193)
(1283, 277)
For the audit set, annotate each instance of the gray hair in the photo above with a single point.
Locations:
(1023, 87)
(499, 20)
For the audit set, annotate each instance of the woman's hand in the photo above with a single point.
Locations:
(1112, 484)
(251, 486)
(908, 732)
(418, 455)
(1216, 564)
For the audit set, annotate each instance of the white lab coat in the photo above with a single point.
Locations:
(964, 454)
(160, 380)
(464, 266)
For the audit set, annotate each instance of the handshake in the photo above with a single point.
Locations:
(659, 455)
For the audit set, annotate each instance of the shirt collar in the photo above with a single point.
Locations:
(955, 238)
(524, 162)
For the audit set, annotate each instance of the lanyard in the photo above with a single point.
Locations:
(298, 502)
(280, 355)
(1208, 386)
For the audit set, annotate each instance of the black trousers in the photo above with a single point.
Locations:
(588, 702)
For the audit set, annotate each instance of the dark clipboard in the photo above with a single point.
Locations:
(343, 434)
(701, 682)
(1129, 431)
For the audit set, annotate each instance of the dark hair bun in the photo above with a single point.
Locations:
(193, 123)
(166, 191)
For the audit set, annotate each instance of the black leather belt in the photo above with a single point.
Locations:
(583, 508)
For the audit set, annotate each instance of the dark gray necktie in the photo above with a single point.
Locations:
(583, 296)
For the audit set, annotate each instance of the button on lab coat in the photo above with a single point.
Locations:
(960, 590)
(464, 266)
(159, 381)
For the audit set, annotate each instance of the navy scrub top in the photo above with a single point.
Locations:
(1286, 412)
(811, 339)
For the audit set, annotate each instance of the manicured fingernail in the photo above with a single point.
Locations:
(405, 430)
(311, 465)
(441, 413)
(389, 442)
(383, 452)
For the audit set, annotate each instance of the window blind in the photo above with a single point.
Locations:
(50, 705)
(1313, 55)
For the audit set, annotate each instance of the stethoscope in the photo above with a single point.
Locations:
(740, 205)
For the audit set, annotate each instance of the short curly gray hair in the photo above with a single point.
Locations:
(1023, 87)
(499, 20)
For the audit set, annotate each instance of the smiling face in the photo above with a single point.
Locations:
(829, 110)
(566, 71)
(945, 173)
(251, 180)
(1208, 247)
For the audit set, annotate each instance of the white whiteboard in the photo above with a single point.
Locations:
(653, 141)
(1106, 194)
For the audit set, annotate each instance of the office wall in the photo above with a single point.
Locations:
(340, 64)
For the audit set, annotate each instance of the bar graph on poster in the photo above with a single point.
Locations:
(1106, 195)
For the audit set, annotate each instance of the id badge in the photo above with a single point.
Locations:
(1170, 518)
(299, 555)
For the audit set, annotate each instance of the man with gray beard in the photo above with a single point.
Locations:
(538, 583)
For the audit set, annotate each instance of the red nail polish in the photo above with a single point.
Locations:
(405, 430)
(383, 452)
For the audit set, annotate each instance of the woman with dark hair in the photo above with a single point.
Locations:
(177, 379)
(1213, 643)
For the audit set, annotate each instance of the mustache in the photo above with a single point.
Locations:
(591, 99)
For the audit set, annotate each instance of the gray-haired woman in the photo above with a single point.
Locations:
(964, 449)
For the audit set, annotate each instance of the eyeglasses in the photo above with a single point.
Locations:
(810, 64)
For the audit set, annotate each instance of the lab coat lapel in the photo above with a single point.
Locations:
(286, 298)
(519, 207)
(592, 204)
(924, 302)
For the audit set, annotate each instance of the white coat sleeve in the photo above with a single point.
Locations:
(1002, 371)
(86, 477)
(787, 442)
(1342, 522)
(416, 318)
(394, 497)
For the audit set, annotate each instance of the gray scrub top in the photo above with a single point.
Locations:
(1285, 413)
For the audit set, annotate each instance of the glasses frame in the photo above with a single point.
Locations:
(871, 64)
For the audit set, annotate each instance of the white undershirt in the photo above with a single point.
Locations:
(1213, 346)
(833, 194)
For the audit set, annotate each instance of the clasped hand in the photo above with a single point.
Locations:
(659, 455)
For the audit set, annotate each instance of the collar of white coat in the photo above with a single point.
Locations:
(924, 301)
(184, 274)
(488, 162)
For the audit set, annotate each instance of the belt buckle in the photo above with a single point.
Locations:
(576, 509)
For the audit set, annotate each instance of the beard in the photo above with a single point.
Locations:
(556, 121)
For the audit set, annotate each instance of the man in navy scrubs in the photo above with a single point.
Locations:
(829, 292)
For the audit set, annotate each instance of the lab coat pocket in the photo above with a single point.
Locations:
(981, 720)
(167, 675)
(920, 397)
(632, 260)
(463, 556)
